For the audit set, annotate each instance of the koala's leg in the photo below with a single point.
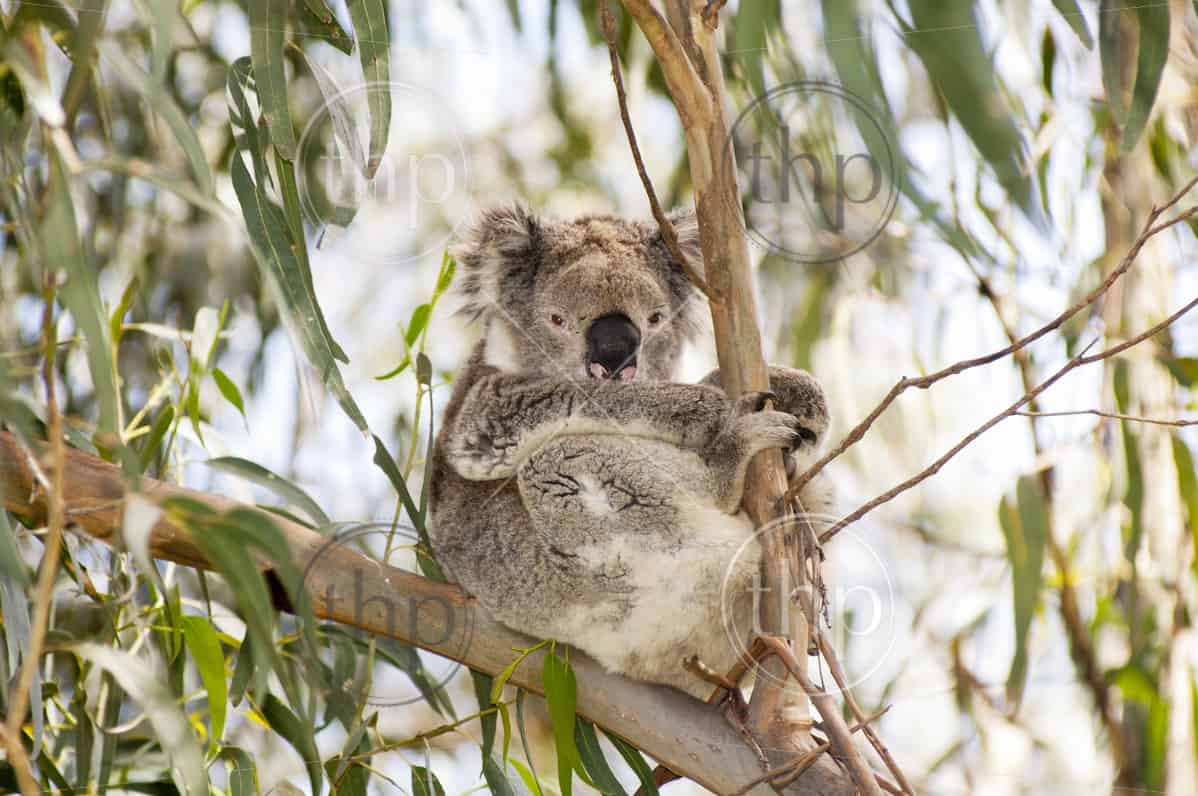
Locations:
(667, 574)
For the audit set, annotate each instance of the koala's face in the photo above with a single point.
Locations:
(596, 297)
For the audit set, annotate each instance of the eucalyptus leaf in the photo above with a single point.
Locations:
(142, 679)
(200, 637)
(1151, 56)
(292, 494)
(374, 49)
(268, 23)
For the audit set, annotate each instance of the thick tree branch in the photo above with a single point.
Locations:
(680, 732)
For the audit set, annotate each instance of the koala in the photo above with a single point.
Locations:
(577, 491)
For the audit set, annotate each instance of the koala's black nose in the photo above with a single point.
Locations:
(612, 343)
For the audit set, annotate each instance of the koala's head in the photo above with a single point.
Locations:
(594, 297)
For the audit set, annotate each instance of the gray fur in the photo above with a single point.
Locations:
(600, 513)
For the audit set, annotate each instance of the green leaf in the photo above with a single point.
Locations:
(153, 440)
(529, 775)
(1110, 46)
(229, 390)
(242, 669)
(1025, 529)
(561, 692)
(1187, 486)
(482, 692)
(80, 294)
(1156, 742)
(448, 268)
(243, 776)
(296, 733)
(319, 20)
(395, 371)
(257, 474)
(636, 762)
(753, 23)
(200, 637)
(424, 375)
(374, 48)
(857, 67)
(593, 760)
(268, 23)
(962, 72)
(425, 782)
(225, 545)
(529, 778)
(165, 106)
(497, 781)
(1152, 54)
(417, 323)
(273, 251)
(1072, 14)
(144, 682)
(11, 564)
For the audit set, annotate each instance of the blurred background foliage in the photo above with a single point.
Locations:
(220, 321)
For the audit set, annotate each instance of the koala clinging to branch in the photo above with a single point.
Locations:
(577, 491)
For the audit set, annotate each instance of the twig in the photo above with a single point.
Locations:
(1081, 649)
(838, 731)
(668, 234)
(1113, 416)
(875, 740)
(1075, 362)
(18, 701)
(935, 466)
(924, 382)
(787, 773)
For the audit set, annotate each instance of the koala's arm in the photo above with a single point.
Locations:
(504, 418)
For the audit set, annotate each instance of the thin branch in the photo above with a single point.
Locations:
(668, 234)
(785, 774)
(1081, 648)
(935, 466)
(838, 732)
(825, 648)
(18, 701)
(1075, 362)
(1113, 416)
(1151, 229)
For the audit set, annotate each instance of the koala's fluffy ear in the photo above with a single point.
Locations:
(686, 227)
(502, 251)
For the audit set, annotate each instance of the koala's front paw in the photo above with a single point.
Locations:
(751, 429)
(482, 456)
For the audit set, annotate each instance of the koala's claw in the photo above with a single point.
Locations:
(806, 436)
